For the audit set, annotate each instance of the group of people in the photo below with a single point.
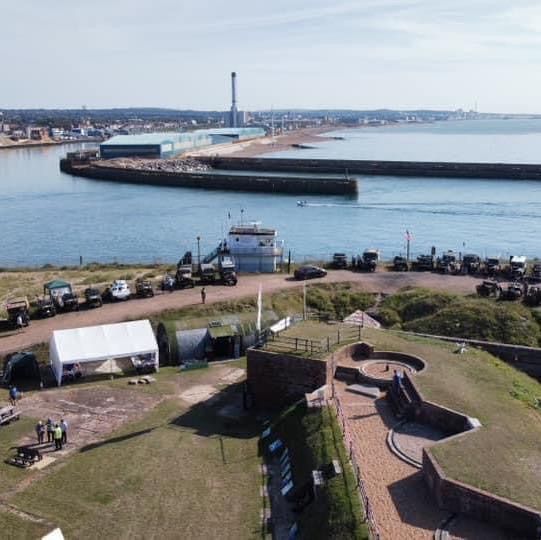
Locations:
(57, 432)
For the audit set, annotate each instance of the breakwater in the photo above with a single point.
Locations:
(513, 171)
(313, 183)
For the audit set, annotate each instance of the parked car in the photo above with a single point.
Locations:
(45, 307)
(119, 290)
(309, 272)
(143, 288)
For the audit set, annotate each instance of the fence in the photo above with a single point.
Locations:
(348, 441)
(302, 345)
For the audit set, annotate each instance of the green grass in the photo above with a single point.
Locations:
(502, 457)
(14, 527)
(314, 439)
(425, 311)
(178, 473)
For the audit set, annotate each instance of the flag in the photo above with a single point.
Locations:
(228, 215)
(409, 236)
(259, 309)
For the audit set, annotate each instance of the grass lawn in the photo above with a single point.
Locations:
(14, 527)
(179, 472)
(504, 456)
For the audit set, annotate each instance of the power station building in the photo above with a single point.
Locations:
(167, 145)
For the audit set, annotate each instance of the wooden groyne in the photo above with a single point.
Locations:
(313, 183)
(443, 169)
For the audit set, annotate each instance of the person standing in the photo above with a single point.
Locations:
(50, 430)
(19, 321)
(13, 394)
(40, 432)
(203, 295)
(57, 434)
(64, 428)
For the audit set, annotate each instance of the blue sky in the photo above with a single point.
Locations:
(287, 53)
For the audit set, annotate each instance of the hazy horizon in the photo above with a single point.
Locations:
(296, 54)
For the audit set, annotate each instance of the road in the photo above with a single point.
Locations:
(40, 331)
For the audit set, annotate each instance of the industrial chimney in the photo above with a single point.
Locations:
(233, 120)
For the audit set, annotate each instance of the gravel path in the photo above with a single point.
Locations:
(387, 282)
(400, 501)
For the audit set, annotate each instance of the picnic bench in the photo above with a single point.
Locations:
(25, 457)
(8, 414)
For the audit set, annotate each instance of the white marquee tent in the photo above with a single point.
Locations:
(105, 342)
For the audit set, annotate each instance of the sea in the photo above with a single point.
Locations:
(48, 217)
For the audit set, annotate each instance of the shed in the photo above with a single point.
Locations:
(100, 343)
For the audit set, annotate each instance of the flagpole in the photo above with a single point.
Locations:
(408, 246)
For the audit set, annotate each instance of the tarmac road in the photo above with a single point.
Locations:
(40, 331)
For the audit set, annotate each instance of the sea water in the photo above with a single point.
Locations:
(50, 217)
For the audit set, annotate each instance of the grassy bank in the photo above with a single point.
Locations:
(314, 439)
(429, 312)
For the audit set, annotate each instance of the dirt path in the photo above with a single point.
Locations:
(387, 282)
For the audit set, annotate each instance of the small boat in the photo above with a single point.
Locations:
(302, 203)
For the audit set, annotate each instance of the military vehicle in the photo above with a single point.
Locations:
(536, 272)
(447, 263)
(400, 264)
(513, 291)
(489, 288)
(492, 266)
(18, 307)
(339, 260)
(533, 296)
(62, 295)
(118, 290)
(93, 298)
(143, 288)
(517, 267)
(45, 307)
(369, 260)
(424, 263)
(471, 263)
(184, 278)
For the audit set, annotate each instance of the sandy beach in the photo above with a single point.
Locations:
(266, 145)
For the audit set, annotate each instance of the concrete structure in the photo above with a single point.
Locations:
(235, 118)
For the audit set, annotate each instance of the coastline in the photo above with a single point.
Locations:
(268, 144)
(34, 144)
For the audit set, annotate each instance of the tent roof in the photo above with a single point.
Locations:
(57, 284)
(227, 330)
(94, 343)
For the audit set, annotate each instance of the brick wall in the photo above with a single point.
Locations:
(461, 498)
(277, 379)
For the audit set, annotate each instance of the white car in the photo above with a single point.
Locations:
(120, 290)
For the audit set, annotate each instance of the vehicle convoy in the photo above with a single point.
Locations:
(489, 288)
(93, 298)
(447, 263)
(471, 263)
(517, 267)
(62, 296)
(368, 262)
(492, 266)
(339, 261)
(424, 263)
(143, 288)
(18, 307)
(400, 264)
(309, 272)
(118, 290)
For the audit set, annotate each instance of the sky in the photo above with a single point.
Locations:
(364, 54)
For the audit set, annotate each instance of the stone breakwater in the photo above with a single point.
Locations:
(514, 171)
(259, 181)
